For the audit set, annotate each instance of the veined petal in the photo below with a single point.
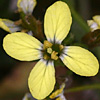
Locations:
(42, 79)
(57, 22)
(97, 19)
(22, 46)
(9, 25)
(26, 5)
(80, 61)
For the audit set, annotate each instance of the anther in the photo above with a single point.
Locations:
(54, 55)
(47, 44)
(61, 47)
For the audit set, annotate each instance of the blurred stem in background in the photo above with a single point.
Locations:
(82, 88)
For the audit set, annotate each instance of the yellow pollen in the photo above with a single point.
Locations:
(49, 50)
(54, 55)
(47, 44)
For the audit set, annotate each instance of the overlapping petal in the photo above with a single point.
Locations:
(9, 25)
(22, 46)
(80, 61)
(26, 5)
(42, 79)
(57, 22)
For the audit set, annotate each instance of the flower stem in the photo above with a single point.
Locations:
(30, 23)
(82, 88)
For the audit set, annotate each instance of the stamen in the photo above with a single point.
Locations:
(47, 44)
(49, 50)
(54, 55)
(61, 47)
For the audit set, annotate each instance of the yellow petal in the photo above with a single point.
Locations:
(57, 21)
(9, 25)
(42, 79)
(26, 5)
(97, 19)
(80, 61)
(3, 26)
(22, 46)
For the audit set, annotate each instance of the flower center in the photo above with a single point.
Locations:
(51, 51)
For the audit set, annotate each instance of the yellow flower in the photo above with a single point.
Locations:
(27, 6)
(95, 23)
(57, 23)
